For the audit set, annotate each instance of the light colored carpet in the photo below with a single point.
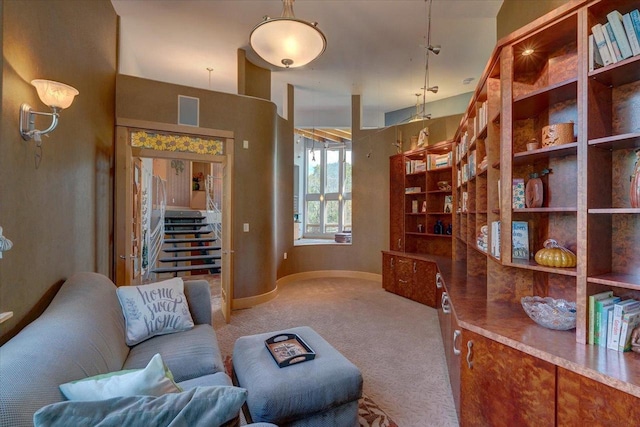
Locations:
(394, 341)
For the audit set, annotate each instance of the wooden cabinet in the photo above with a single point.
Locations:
(501, 386)
(583, 401)
(451, 337)
(410, 277)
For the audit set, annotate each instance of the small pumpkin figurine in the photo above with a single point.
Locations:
(554, 255)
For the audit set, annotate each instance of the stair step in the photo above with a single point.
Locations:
(186, 268)
(185, 224)
(191, 249)
(183, 215)
(191, 240)
(189, 258)
(201, 230)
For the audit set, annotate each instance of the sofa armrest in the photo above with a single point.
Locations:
(198, 296)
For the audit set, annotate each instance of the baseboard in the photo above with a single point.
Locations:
(329, 273)
(248, 302)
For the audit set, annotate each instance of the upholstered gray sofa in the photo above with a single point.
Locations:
(81, 334)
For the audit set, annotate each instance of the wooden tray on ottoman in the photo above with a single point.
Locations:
(288, 349)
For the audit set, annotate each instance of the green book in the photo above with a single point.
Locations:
(592, 312)
(601, 320)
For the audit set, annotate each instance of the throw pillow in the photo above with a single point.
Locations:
(200, 406)
(154, 309)
(154, 380)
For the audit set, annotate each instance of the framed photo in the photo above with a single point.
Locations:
(448, 204)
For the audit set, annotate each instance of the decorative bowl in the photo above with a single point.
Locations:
(444, 186)
(551, 313)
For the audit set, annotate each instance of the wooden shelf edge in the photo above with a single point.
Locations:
(628, 281)
(546, 210)
(614, 211)
(616, 142)
(532, 265)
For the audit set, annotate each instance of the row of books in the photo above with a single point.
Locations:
(615, 40)
(463, 146)
(412, 190)
(433, 161)
(519, 240)
(414, 166)
(612, 320)
(436, 161)
(481, 119)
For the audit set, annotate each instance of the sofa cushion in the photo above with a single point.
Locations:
(154, 309)
(219, 378)
(205, 406)
(189, 354)
(154, 380)
(80, 334)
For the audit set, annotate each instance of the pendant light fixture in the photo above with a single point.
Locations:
(287, 41)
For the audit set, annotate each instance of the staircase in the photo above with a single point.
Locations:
(189, 245)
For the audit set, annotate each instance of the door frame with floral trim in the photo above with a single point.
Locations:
(136, 139)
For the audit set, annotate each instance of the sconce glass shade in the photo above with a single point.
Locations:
(287, 41)
(55, 94)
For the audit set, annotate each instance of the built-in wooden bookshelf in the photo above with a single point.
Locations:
(586, 208)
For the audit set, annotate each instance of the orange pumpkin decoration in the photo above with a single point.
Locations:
(554, 255)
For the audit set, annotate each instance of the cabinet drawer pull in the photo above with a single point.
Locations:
(403, 281)
(399, 244)
(445, 303)
(456, 335)
(415, 268)
(438, 280)
(470, 354)
(392, 259)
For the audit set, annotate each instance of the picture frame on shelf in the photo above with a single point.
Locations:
(448, 204)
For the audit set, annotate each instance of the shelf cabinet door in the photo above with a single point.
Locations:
(501, 386)
(583, 401)
(389, 282)
(423, 288)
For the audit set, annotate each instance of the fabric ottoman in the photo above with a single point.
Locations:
(319, 392)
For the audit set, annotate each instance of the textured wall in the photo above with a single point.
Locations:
(60, 215)
(251, 119)
(517, 13)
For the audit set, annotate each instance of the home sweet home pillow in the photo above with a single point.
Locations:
(154, 309)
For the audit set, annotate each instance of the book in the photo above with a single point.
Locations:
(630, 321)
(608, 333)
(595, 59)
(601, 320)
(592, 312)
(603, 48)
(611, 42)
(615, 21)
(518, 193)
(495, 239)
(618, 311)
(472, 164)
(631, 34)
(465, 200)
(520, 240)
(635, 20)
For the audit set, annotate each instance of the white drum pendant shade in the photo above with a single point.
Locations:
(287, 41)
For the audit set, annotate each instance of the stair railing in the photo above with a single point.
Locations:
(214, 215)
(156, 225)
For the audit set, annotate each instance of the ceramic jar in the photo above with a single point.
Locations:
(534, 192)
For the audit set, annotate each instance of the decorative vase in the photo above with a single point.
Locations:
(438, 228)
(534, 192)
(634, 189)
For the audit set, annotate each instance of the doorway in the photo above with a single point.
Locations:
(155, 184)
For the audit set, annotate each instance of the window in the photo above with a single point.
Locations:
(327, 198)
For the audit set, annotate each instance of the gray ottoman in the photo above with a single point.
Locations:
(319, 392)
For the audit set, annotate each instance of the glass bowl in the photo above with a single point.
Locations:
(551, 313)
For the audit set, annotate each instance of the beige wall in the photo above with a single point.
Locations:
(60, 215)
(250, 119)
(371, 151)
(517, 13)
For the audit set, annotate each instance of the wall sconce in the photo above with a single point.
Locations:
(56, 95)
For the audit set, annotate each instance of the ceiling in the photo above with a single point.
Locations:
(375, 48)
